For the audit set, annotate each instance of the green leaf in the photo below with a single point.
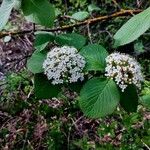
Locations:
(57, 12)
(39, 11)
(95, 57)
(145, 100)
(131, 30)
(17, 5)
(71, 39)
(42, 39)
(129, 99)
(7, 39)
(80, 16)
(76, 87)
(35, 63)
(5, 10)
(93, 7)
(99, 97)
(139, 47)
(43, 87)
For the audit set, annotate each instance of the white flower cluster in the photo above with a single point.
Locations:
(64, 65)
(124, 70)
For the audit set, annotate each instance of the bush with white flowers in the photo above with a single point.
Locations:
(88, 70)
(124, 70)
(64, 65)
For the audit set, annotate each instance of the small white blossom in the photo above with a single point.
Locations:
(64, 64)
(124, 70)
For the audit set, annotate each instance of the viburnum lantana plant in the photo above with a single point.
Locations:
(102, 80)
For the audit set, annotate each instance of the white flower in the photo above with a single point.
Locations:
(124, 70)
(64, 64)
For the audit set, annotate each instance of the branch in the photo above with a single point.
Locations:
(65, 27)
(145, 145)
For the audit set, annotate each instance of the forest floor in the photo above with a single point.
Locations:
(54, 124)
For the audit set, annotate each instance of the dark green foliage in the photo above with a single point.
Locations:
(71, 39)
(129, 99)
(43, 88)
(76, 86)
(42, 39)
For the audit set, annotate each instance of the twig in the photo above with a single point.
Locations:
(68, 139)
(30, 93)
(106, 31)
(5, 114)
(139, 3)
(89, 33)
(88, 21)
(75, 122)
(25, 140)
(145, 145)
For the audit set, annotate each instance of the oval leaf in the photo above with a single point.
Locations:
(80, 16)
(43, 88)
(131, 30)
(42, 39)
(139, 47)
(35, 63)
(99, 97)
(38, 11)
(5, 10)
(95, 57)
(129, 99)
(93, 7)
(71, 39)
(17, 5)
(7, 39)
(145, 100)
